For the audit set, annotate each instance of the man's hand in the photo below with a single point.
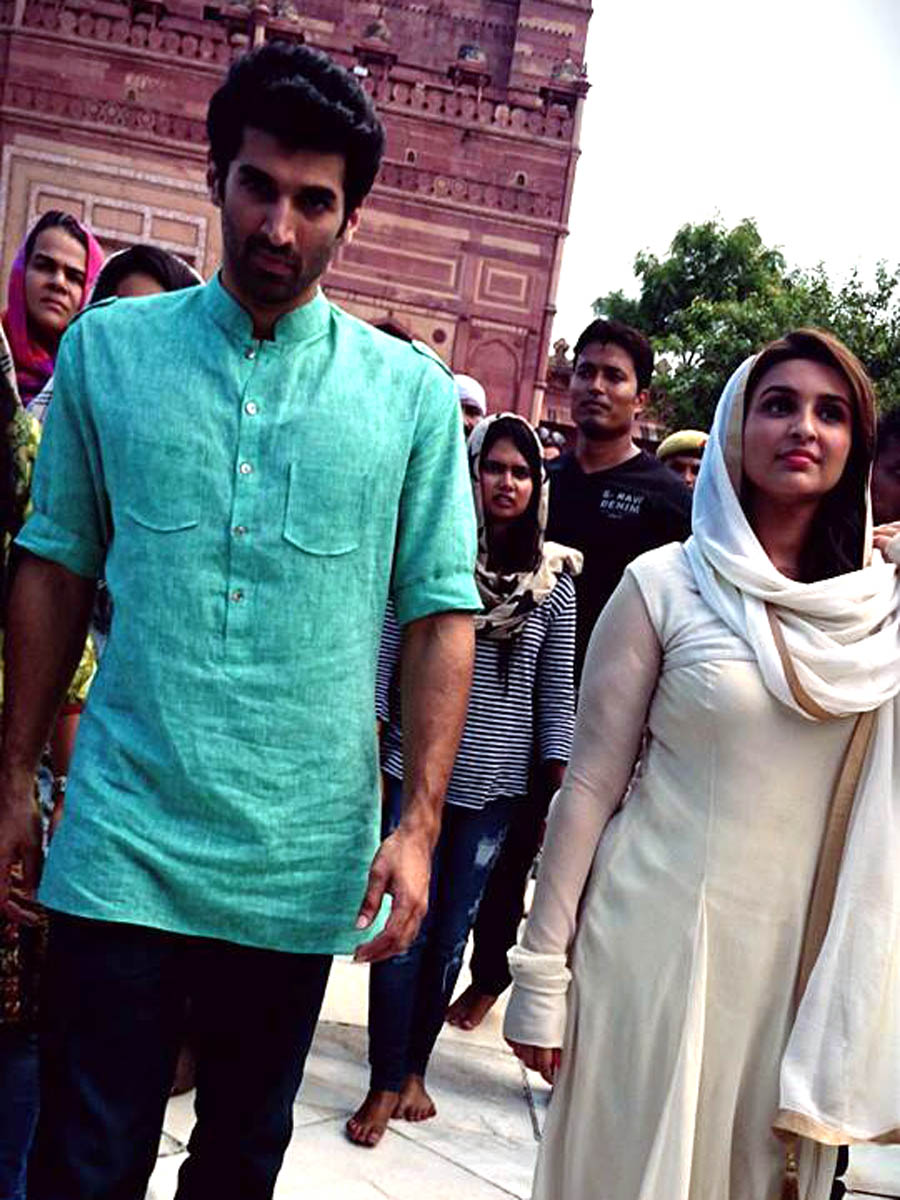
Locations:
(538, 1058)
(883, 535)
(20, 845)
(435, 671)
(402, 869)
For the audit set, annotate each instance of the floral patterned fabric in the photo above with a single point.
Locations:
(21, 948)
(24, 434)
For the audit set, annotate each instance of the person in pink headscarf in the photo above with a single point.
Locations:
(50, 282)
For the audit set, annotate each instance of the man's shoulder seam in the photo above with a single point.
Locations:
(426, 351)
(421, 348)
(89, 308)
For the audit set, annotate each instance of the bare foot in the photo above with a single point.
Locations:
(470, 1009)
(414, 1103)
(367, 1125)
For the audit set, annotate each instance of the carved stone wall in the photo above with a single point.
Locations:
(102, 108)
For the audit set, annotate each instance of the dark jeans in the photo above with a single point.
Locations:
(409, 994)
(18, 1106)
(115, 1003)
(503, 902)
(843, 1162)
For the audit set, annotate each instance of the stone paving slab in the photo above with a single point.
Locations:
(874, 1171)
(481, 1146)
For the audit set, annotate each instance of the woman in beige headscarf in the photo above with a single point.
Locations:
(711, 972)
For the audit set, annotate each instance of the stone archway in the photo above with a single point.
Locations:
(495, 365)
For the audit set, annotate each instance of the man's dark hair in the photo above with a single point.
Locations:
(888, 429)
(632, 341)
(170, 272)
(54, 218)
(306, 101)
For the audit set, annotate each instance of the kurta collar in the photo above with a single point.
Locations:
(299, 325)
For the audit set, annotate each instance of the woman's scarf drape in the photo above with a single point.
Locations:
(22, 438)
(33, 364)
(508, 599)
(840, 642)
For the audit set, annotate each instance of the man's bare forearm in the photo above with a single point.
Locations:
(46, 626)
(436, 673)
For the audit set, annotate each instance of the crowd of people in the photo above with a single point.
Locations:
(295, 624)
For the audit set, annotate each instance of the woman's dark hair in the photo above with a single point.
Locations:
(306, 101)
(836, 542)
(54, 218)
(521, 539)
(520, 546)
(170, 272)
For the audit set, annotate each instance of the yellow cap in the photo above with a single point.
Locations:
(683, 441)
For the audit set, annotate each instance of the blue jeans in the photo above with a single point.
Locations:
(116, 998)
(409, 994)
(18, 1106)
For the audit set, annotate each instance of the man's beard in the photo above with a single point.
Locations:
(267, 288)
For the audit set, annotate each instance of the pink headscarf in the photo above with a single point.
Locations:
(34, 364)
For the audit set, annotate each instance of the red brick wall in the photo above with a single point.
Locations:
(102, 107)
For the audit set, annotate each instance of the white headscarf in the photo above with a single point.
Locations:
(839, 655)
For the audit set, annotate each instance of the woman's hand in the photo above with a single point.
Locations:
(538, 1058)
(883, 535)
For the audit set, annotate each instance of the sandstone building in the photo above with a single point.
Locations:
(102, 107)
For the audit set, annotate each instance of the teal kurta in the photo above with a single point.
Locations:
(252, 504)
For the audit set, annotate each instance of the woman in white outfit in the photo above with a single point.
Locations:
(711, 971)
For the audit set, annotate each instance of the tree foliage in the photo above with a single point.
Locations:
(720, 294)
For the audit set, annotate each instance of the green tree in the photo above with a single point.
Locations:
(720, 294)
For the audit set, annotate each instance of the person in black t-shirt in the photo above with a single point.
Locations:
(612, 501)
(609, 498)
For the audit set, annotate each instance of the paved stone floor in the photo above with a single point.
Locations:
(481, 1146)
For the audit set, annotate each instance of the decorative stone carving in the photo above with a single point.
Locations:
(566, 71)
(471, 53)
(110, 113)
(560, 359)
(568, 81)
(408, 177)
(377, 31)
(140, 31)
(286, 10)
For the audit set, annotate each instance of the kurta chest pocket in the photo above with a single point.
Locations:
(164, 481)
(324, 508)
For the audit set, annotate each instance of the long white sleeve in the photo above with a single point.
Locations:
(620, 674)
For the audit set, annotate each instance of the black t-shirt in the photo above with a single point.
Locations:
(611, 517)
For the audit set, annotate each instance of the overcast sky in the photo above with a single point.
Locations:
(783, 110)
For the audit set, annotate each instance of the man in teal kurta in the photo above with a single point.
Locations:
(254, 472)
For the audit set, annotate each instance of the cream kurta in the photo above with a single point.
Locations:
(692, 920)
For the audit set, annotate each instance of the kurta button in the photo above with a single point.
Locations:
(245, 468)
(239, 530)
(237, 595)
(251, 408)
(250, 353)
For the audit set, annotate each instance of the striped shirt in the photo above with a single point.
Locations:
(535, 710)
